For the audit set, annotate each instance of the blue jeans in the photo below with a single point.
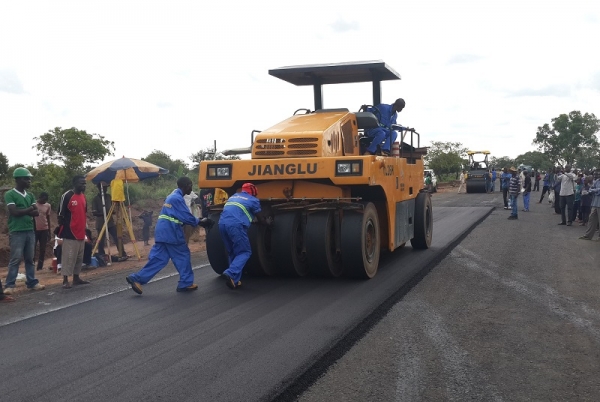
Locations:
(526, 196)
(22, 246)
(513, 203)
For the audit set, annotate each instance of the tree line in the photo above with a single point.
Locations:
(569, 139)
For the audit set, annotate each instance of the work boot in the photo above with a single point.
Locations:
(190, 288)
(137, 288)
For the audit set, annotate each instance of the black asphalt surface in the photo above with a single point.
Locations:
(511, 314)
(104, 343)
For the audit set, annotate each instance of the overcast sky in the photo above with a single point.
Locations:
(177, 75)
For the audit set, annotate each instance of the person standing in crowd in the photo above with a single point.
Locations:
(146, 217)
(383, 135)
(594, 219)
(521, 174)
(238, 213)
(98, 209)
(576, 211)
(21, 211)
(428, 182)
(494, 177)
(546, 188)
(514, 189)
(73, 221)
(538, 177)
(42, 228)
(169, 241)
(567, 195)
(556, 187)
(462, 182)
(504, 185)
(527, 192)
(586, 200)
(58, 241)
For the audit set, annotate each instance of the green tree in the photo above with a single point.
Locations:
(537, 160)
(52, 179)
(445, 157)
(588, 160)
(3, 166)
(569, 137)
(209, 154)
(74, 149)
(176, 166)
(501, 162)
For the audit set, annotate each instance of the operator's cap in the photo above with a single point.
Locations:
(250, 189)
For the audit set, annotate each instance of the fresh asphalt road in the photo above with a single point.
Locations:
(103, 342)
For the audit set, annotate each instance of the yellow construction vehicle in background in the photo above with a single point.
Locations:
(333, 208)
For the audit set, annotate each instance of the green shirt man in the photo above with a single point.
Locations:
(21, 210)
(22, 200)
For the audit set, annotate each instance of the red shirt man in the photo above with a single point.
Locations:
(73, 220)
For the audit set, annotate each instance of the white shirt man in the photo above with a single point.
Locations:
(567, 195)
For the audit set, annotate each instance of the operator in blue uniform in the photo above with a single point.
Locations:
(238, 213)
(169, 241)
(384, 135)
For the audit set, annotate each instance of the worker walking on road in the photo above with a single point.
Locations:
(593, 220)
(169, 241)
(238, 213)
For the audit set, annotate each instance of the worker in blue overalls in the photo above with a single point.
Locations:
(384, 135)
(238, 213)
(169, 241)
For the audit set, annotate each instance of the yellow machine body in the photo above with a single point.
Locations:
(297, 160)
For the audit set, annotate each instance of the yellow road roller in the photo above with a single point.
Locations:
(333, 208)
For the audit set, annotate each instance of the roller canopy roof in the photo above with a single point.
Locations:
(336, 73)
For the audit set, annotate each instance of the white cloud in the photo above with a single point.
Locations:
(9, 82)
(341, 25)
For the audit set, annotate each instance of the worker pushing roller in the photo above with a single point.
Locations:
(169, 241)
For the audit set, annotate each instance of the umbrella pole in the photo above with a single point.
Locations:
(129, 227)
(105, 228)
(128, 200)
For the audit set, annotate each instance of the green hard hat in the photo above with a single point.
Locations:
(21, 172)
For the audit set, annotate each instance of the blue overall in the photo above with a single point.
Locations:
(169, 242)
(234, 223)
(383, 133)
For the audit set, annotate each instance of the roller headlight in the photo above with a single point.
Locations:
(218, 172)
(348, 168)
